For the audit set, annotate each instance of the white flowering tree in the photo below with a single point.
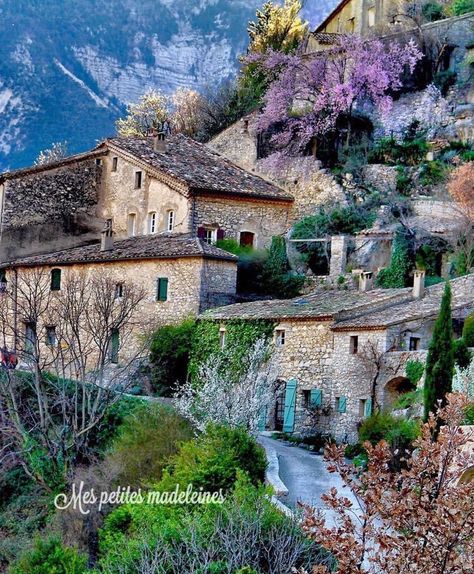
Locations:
(463, 381)
(220, 398)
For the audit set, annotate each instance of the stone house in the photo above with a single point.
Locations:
(338, 353)
(180, 276)
(145, 186)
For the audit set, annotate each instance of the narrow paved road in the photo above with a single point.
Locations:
(304, 474)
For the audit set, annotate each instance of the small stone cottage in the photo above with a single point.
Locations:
(179, 275)
(145, 186)
(339, 352)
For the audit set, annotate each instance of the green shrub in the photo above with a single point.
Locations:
(469, 414)
(277, 279)
(250, 271)
(146, 441)
(414, 371)
(460, 7)
(169, 355)
(213, 460)
(407, 400)
(353, 450)
(468, 330)
(192, 536)
(462, 354)
(432, 11)
(398, 273)
(432, 173)
(398, 432)
(232, 246)
(50, 557)
(444, 80)
(403, 181)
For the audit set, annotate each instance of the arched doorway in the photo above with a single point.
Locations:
(247, 239)
(395, 388)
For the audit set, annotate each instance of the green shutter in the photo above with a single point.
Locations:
(290, 404)
(262, 420)
(114, 345)
(56, 280)
(368, 408)
(316, 397)
(342, 404)
(162, 289)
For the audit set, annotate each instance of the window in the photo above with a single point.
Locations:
(371, 16)
(114, 345)
(351, 25)
(162, 289)
(114, 163)
(313, 398)
(354, 345)
(170, 221)
(3, 281)
(98, 161)
(131, 224)
(152, 222)
(414, 343)
(306, 398)
(30, 337)
(280, 337)
(56, 280)
(365, 407)
(222, 337)
(210, 235)
(118, 291)
(247, 238)
(138, 180)
(341, 404)
(51, 338)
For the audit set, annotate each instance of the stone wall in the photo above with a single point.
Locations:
(381, 177)
(263, 218)
(194, 285)
(120, 198)
(49, 210)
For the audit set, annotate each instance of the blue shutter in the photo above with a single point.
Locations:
(316, 397)
(342, 404)
(290, 404)
(368, 408)
(262, 421)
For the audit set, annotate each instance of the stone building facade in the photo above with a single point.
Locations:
(340, 353)
(180, 277)
(145, 187)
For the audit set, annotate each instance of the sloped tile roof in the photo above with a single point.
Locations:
(135, 248)
(321, 305)
(199, 167)
(427, 306)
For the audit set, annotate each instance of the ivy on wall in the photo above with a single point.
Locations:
(240, 336)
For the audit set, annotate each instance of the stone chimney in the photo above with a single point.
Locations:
(159, 142)
(107, 237)
(366, 281)
(419, 284)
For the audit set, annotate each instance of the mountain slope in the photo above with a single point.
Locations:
(67, 69)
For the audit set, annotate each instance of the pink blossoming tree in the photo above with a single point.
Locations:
(308, 93)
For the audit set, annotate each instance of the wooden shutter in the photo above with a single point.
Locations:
(368, 408)
(342, 404)
(162, 289)
(201, 232)
(55, 279)
(290, 404)
(114, 345)
(316, 397)
(220, 234)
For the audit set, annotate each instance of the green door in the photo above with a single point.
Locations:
(290, 405)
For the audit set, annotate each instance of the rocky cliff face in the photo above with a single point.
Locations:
(67, 69)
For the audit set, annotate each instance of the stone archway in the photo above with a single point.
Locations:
(395, 388)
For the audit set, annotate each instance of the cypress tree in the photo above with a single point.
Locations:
(440, 360)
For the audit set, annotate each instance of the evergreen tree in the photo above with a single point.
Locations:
(440, 361)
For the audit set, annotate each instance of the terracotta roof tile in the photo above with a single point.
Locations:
(199, 167)
(144, 247)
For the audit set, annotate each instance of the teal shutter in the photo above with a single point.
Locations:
(114, 345)
(316, 397)
(290, 404)
(56, 280)
(162, 289)
(342, 404)
(368, 408)
(262, 421)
